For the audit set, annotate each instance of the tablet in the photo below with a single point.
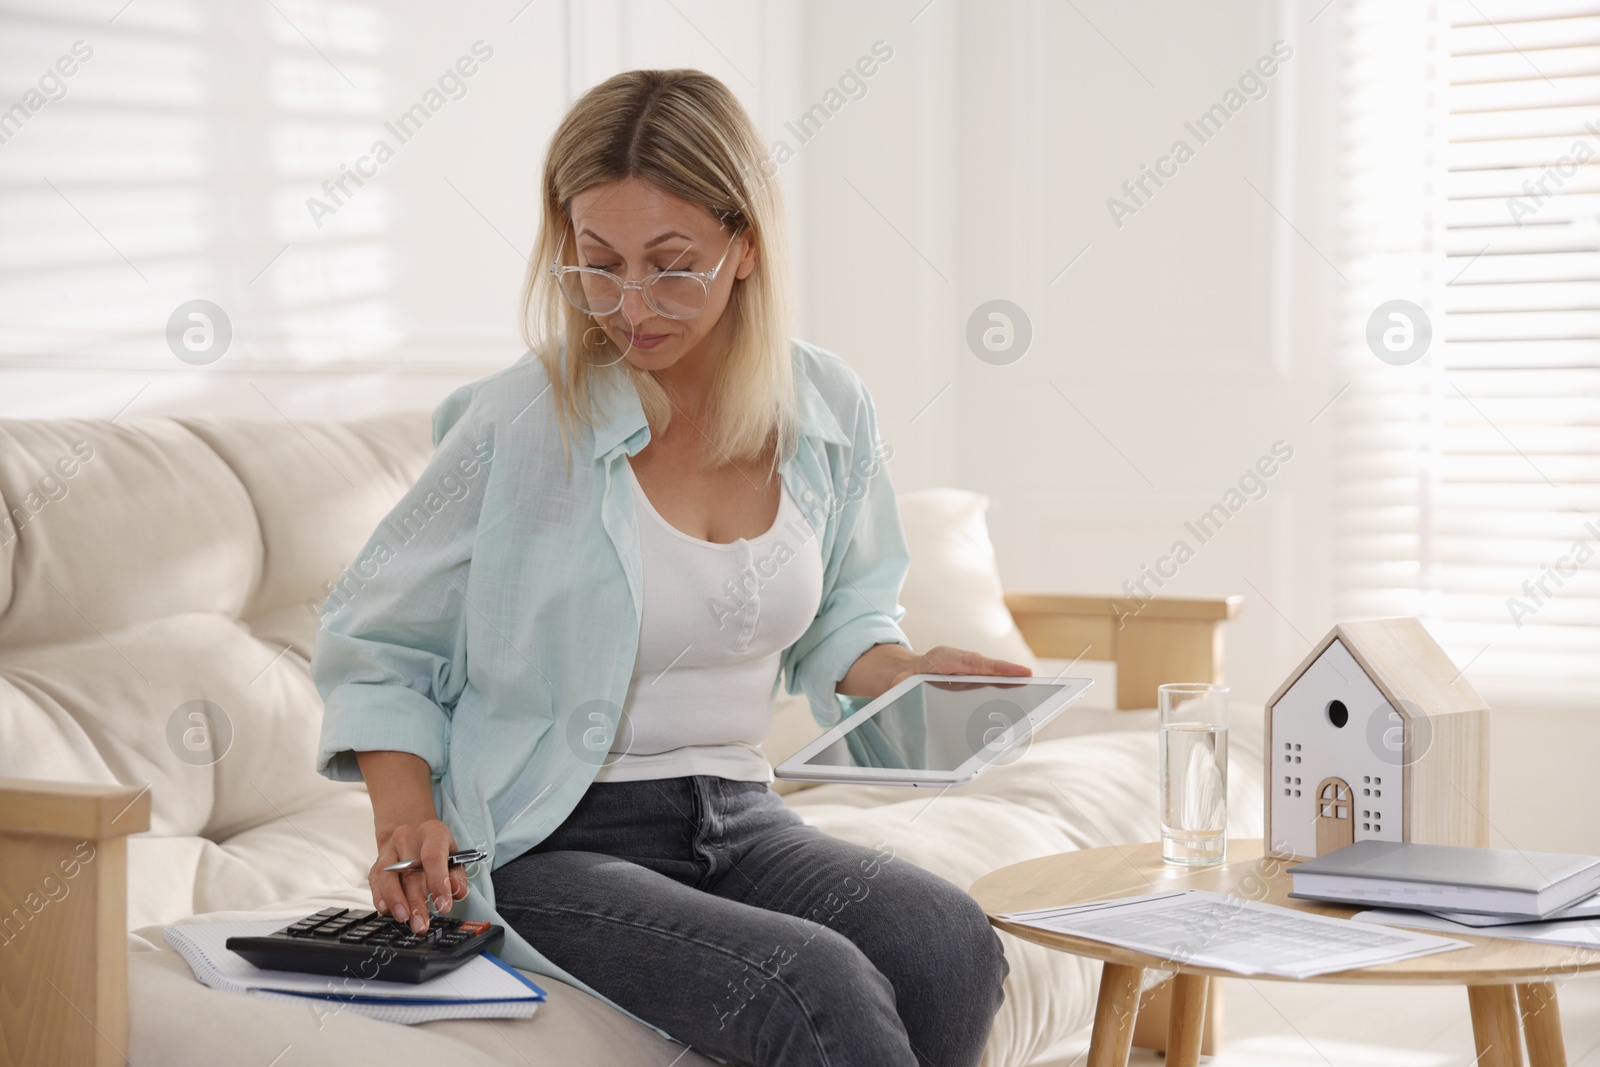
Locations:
(934, 730)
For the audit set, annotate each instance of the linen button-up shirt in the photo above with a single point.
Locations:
(490, 623)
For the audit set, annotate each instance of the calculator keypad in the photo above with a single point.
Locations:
(351, 927)
(335, 939)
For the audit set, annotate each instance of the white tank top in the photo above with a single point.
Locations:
(714, 621)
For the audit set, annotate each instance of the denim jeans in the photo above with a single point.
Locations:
(710, 909)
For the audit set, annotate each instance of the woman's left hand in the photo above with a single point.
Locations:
(942, 659)
(882, 667)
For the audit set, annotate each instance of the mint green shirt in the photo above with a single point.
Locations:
(491, 622)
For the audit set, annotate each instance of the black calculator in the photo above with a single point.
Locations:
(350, 943)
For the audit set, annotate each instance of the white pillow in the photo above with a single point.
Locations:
(953, 595)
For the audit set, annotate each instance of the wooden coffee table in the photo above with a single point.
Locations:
(1501, 976)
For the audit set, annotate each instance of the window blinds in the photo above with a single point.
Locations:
(1469, 481)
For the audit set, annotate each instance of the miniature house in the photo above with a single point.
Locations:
(1375, 736)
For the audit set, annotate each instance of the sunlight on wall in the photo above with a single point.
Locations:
(332, 287)
(162, 152)
(352, 184)
(98, 171)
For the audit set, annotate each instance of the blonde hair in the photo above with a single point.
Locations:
(684, 132)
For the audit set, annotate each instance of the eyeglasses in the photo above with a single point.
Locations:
(674, 294)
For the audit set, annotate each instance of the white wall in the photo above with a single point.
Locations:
(1169, 357)
(1175, 350)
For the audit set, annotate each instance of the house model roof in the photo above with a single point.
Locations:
(1405, 663)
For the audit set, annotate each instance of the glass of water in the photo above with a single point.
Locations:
(1194, 773)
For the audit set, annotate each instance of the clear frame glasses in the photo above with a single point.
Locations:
(673, 294)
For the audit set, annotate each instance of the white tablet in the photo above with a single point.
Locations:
(934, 729)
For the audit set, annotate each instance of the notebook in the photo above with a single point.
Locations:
(483, 988)
(1456, 878)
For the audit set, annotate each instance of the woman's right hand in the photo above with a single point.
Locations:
(404, 894)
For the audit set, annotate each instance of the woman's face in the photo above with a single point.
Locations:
(635, 229)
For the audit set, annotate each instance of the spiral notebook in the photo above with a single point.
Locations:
(483, 988)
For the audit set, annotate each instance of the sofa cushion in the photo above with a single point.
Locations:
(221, 727)
(148, 523)
(177, 1022)
(322, 850)
(96, 710)
(8, 546)
(319, 490)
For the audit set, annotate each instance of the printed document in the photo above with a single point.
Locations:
(1198, 928)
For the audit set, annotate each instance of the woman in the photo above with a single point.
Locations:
(562, 646)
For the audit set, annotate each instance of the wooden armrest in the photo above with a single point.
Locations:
(1164, 639)
(64, 920)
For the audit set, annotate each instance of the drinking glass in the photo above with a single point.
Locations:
(1194, 773)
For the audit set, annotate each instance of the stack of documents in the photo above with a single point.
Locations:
(483, 988)
(1581, 932)
(1503, 884)
(1587, 908)
(1197, 928)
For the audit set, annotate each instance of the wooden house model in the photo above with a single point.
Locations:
(1376, 735)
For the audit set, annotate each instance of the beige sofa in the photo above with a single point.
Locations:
(159, 586)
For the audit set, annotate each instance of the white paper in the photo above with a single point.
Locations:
(1588, 908)
(1583, 933)
(1195, 927)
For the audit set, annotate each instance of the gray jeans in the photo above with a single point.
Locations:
(710, 909)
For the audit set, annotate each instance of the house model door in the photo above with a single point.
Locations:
(1336, 826)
